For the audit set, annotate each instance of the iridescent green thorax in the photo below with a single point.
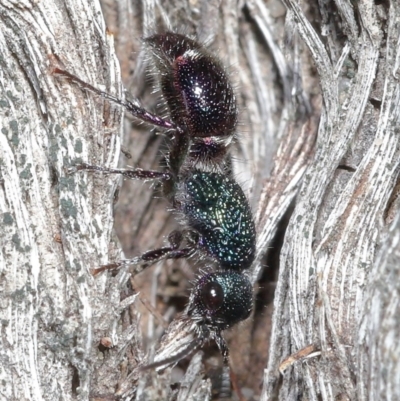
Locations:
(217, 208)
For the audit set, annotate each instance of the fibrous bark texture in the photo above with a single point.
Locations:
(317, 154)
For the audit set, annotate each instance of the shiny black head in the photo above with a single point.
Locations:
(216, 207)
(220, 300)
(195, 86)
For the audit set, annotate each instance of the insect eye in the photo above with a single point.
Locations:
(212, 296)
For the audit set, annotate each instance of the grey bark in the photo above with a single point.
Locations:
(68, 335)
(340, 245)
(54, 225)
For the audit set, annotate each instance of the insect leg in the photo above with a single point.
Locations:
(132, 174)
(139, 112)
(155, 255)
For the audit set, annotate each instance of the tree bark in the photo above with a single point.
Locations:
(55, 225)
(318, 91)
(341, 244)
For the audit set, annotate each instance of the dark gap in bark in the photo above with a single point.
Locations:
(75, 381)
